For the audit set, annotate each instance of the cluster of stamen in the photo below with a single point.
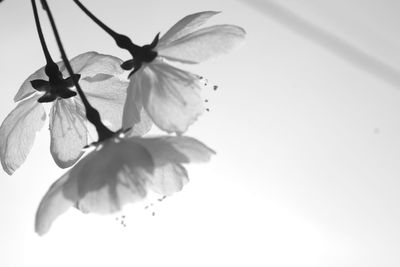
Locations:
(205, 83)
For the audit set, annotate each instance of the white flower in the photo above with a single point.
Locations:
(121, 170)
(170, 96)
(104, 89)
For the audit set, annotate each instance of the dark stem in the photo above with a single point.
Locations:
(51, 67)
(121, 40)
(95, 19)
(91, 113)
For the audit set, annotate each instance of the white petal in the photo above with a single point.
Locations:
(118, 174)
(134, 115)
(175, 149)
(171, 96)
(108, 97)
(100, 81)
(62, 195)
(68, 132)
(169, 179)
(203, 44)
(186, 25)
(59, 198)
(18, 131)
(91, 64)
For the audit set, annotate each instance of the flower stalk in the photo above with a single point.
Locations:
(91, 113)
(51, 68)
(121, 40)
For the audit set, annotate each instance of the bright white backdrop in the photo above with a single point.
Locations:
(307, 138)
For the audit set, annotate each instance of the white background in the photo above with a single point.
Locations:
(305, 123)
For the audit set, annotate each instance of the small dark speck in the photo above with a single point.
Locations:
(206, 100)
(153, 213)
(215, 87)
(161, 199)
(200, 77)
(207, 109)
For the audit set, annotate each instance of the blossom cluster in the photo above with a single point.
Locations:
(130, 96)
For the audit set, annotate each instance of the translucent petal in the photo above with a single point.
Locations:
(186, 25)
(171, 96)
(68, 131)
(116, 175)
(91, 64)
(134, 115)
(62, 195)
(18, 131)
(203, 44)
(108, 97)
(169, 179)
(175, 149)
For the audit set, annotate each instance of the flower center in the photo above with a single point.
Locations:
(56, 86)
(143, 54)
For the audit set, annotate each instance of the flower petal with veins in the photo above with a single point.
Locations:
(134, 116)
(186, 25)
(68, 132)
(90, 64)
(108, 97)
(169, 179)
(62, 195)
(170, 96)
(18, 131)
(179, 149)
(203, 44)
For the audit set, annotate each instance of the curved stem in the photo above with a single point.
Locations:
(95, 19)
(49, 61)
(121, 40)
(91, 113)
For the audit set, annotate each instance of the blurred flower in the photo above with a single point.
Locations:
(103, 87)
(121, 170)
(170, 96)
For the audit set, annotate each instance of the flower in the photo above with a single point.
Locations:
(104, 88)
(121, 170)
(170, 96)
